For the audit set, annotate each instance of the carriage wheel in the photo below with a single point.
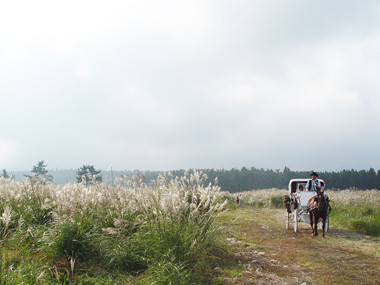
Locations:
(327, 226)
(295, 220)
(287, 220)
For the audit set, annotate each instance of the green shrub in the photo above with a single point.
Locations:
(366, 226)
(277, 201)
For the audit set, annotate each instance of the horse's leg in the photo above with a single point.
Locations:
(316, 217)
(311, 222)
(323, 225)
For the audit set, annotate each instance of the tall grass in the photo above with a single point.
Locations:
(163, 231)
(264, 197)
(357, 210)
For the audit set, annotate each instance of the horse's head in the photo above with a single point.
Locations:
(316, 202)
(320, 201)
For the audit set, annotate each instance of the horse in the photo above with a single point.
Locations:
(288, 202)
(318, 207)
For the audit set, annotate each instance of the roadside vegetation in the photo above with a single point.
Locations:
(358, 211)
(91, 233)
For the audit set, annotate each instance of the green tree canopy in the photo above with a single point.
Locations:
(88, 174)
(40, 174)
(5, 174)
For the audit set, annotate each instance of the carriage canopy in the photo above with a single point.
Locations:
(295, 183)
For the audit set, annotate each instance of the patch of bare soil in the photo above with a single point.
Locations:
(265, 252)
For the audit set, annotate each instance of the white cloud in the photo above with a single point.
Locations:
(171, 84)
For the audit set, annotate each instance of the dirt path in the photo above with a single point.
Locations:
(264, 252)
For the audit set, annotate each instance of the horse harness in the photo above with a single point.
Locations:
(315, 202)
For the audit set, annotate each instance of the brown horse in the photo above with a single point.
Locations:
(288, 202)
(318, 207)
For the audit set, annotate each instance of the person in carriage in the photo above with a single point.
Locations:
(314, 184)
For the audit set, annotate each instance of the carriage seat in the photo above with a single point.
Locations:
(304, 197)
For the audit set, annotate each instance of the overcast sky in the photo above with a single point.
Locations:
(160, 85)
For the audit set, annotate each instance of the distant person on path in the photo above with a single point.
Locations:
(237, 199)
(240, 199)
(314, 184)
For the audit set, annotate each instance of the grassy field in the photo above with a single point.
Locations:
(129, 233)
(178, 231)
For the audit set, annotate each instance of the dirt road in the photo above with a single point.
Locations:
(264, 252)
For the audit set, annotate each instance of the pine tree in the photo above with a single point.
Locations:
(5, 174)
(89, 174)
(40, 174)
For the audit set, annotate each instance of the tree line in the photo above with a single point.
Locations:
(86, 174)
(233, 180)
(244, 179)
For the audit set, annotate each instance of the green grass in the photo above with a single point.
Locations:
(171, 252)
(363, 219)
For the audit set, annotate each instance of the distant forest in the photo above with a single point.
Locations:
(236, 180)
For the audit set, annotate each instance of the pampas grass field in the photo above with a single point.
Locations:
(129, 232)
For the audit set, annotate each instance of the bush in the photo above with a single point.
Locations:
(277, 201)
(259, 204)
(366, 226)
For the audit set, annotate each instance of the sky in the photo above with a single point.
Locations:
(164, 85)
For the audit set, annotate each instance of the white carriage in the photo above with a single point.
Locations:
(298, 210)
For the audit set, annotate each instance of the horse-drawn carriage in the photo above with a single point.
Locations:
(298, 203)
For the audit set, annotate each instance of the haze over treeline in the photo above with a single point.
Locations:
(235, 180)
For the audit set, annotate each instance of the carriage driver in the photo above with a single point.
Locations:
(314, 184)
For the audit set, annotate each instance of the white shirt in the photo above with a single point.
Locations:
(313, 185)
